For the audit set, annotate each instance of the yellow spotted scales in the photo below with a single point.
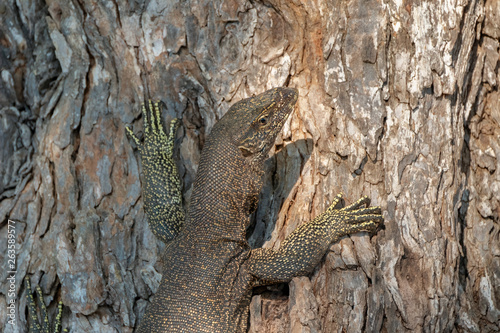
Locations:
(162, 187)
(210, 269)
(34, 323)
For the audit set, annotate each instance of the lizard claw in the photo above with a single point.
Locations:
(154, 134)
(363, 201)
(152, 118)
(335, 203)
(32, 311)
(174, 126)
(356, 217)
(132, 136)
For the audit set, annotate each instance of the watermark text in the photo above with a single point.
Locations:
(11, 272)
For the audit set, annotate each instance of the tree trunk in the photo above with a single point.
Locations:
(398, 100)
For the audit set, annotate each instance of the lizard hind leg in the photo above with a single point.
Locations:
(34, 326)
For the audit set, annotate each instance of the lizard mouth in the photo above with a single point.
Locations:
(287, 98)
(260, 134)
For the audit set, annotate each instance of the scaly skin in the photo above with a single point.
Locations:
(210, 269)
(162, 187)
(34, 324)
(314, 238)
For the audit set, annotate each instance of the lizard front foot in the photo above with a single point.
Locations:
(154, 135)
(356, 217)
(161, 183)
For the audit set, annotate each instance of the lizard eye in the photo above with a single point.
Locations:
(263, 120)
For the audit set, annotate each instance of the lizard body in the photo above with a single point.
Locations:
(210, 269)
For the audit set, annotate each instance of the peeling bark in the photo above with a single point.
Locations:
(399, 101)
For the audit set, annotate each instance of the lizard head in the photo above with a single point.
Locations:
(264, 117)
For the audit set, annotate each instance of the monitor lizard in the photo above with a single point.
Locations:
(209, 267)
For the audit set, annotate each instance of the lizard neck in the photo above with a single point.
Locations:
(225, 191)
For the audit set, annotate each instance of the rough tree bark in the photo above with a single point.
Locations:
(398, 100)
